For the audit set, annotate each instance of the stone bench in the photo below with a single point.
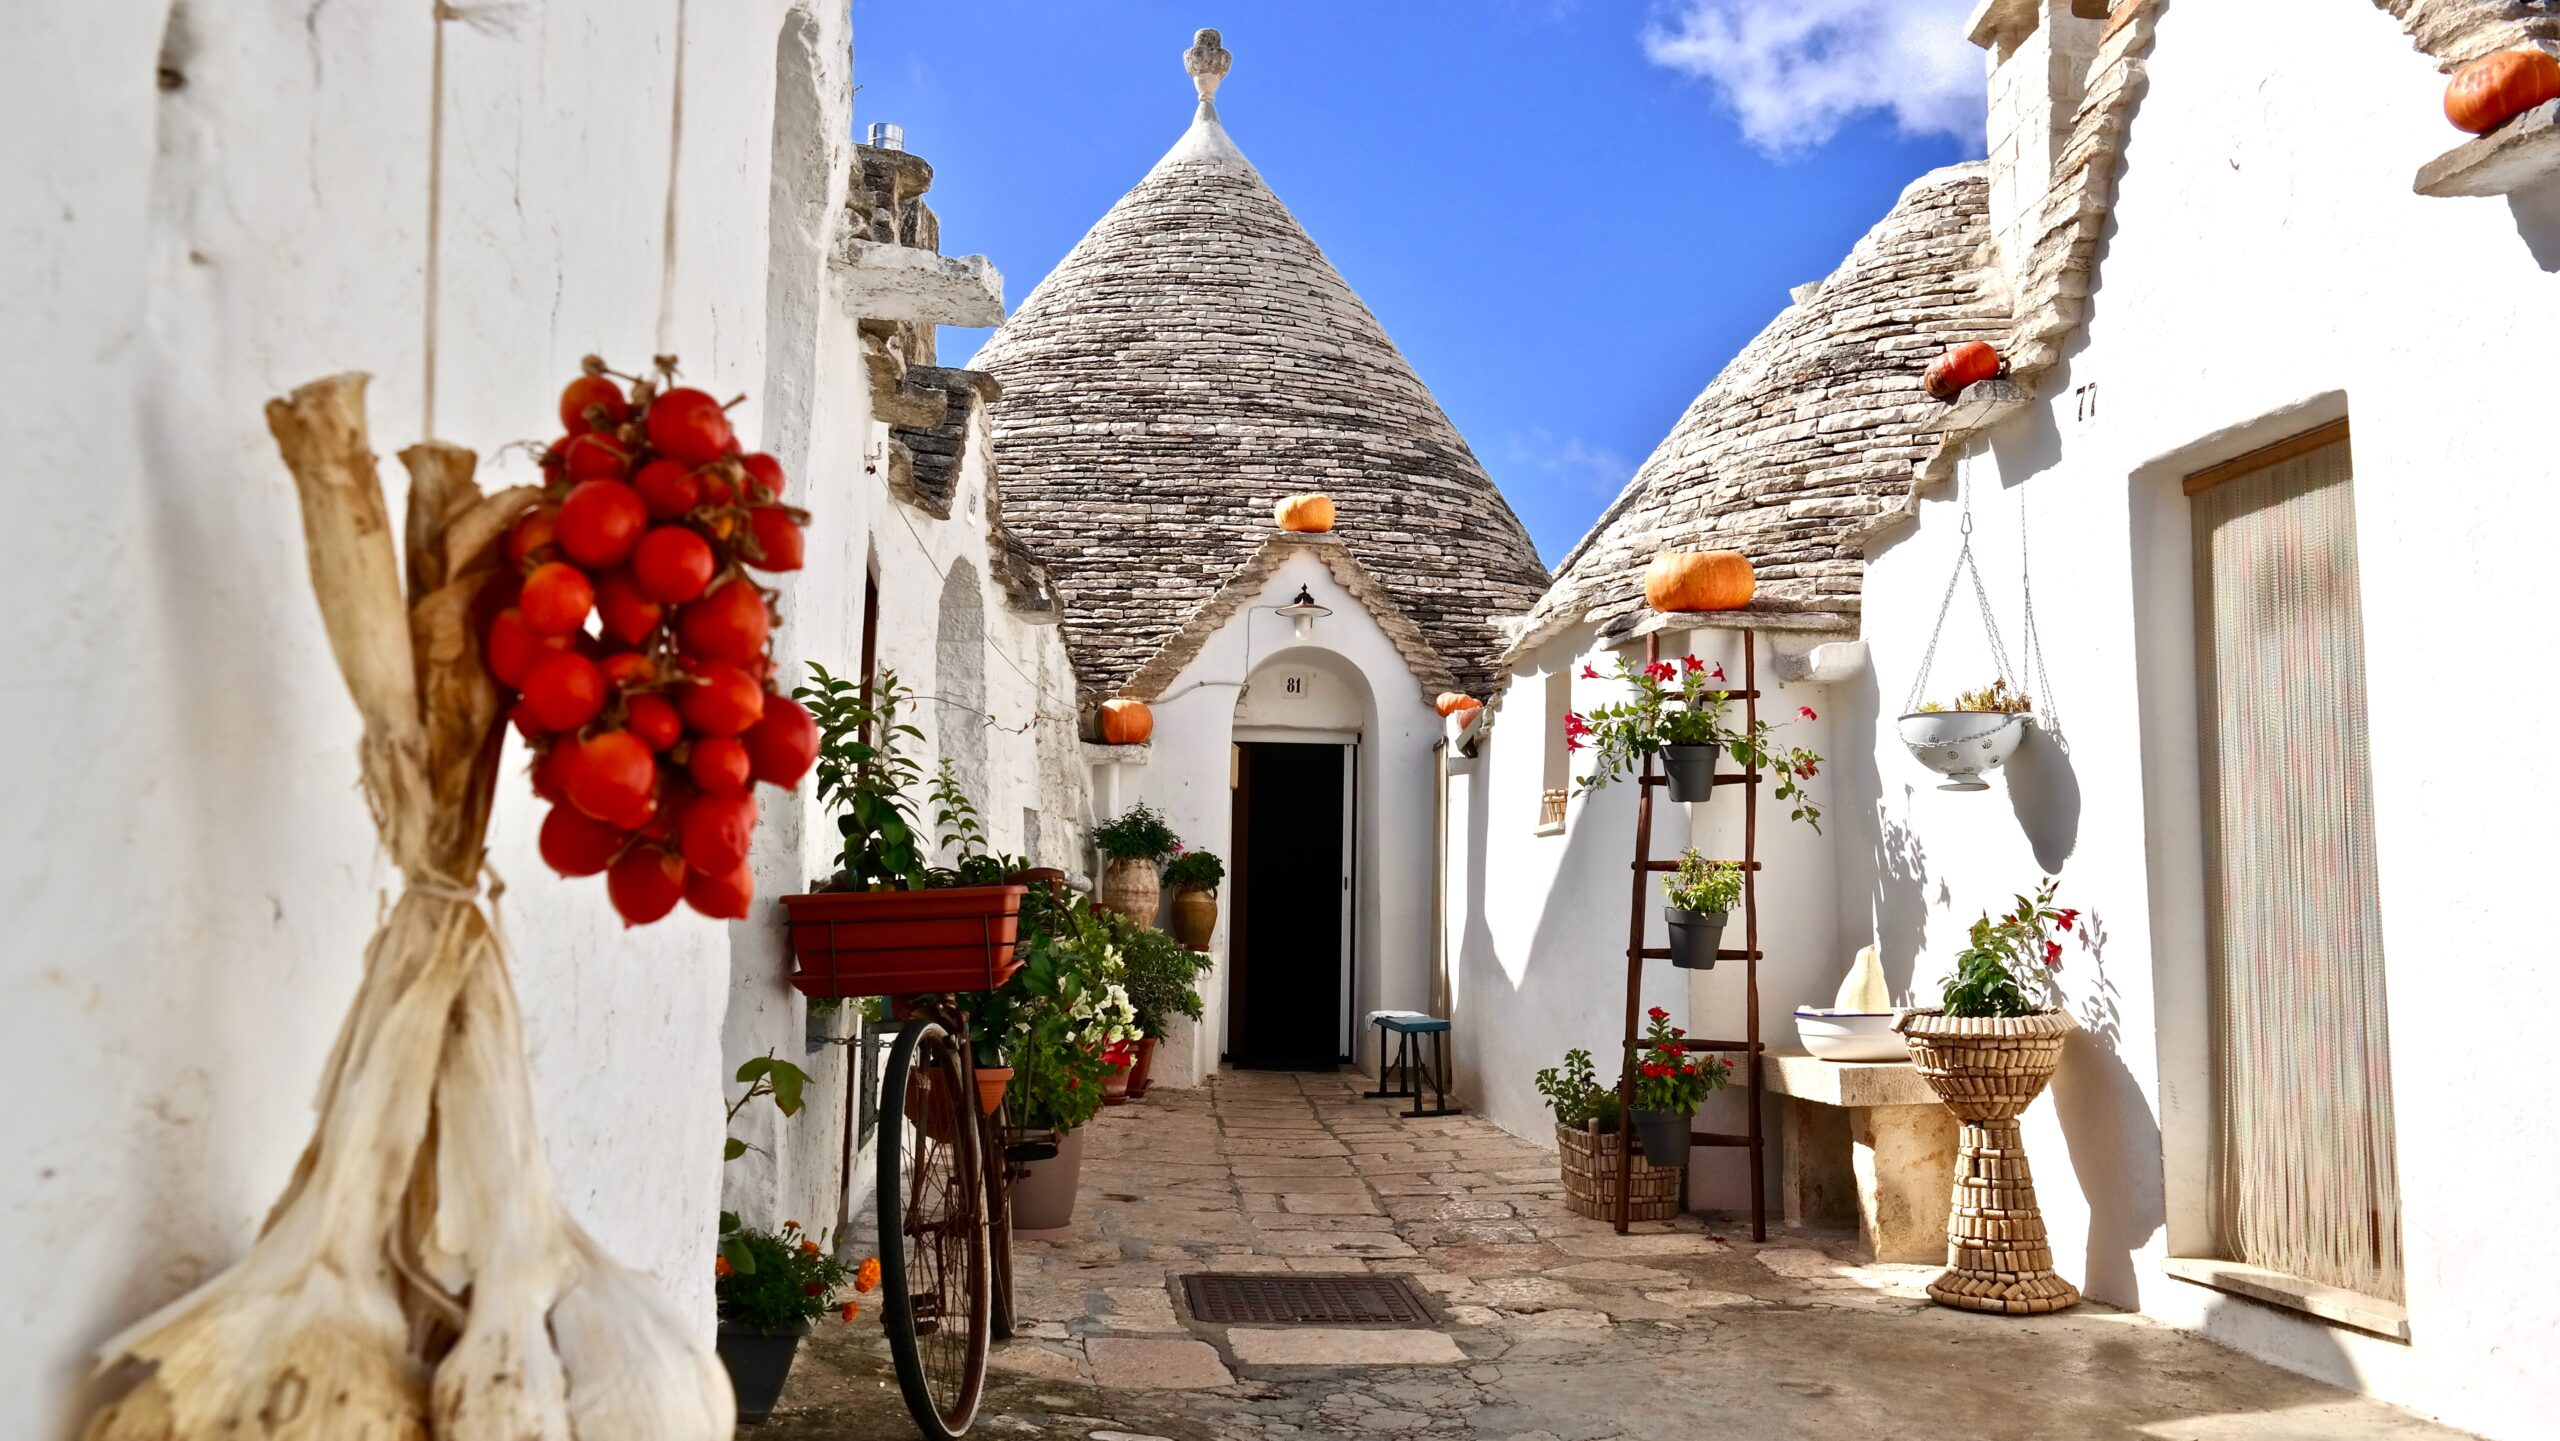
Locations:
(1865, 1139)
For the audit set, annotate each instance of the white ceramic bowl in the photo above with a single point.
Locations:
(1850, 1035)
(1962, 744)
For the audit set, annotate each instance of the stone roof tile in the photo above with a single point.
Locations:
(1191, 361)
(1808, 432)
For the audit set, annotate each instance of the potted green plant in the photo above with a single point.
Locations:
(1162, 977)
(889, 921)
(1702, 894)
(1678, 713)
(1194, 877)
(1980, 731)
(1671, 1081)
(770, 1287)
(1055, 1017)
(1589, 1140)
(1132, 842)
(1988, 1050)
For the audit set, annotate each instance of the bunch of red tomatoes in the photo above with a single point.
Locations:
(638, 646)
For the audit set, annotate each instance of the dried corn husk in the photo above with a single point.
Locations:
(418, 1277)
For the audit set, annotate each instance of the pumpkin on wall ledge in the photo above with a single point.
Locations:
(1692, 580)
(2495, 89)
(1305, 514)
(1959, 366)
(1126, 722)
(1452, 703)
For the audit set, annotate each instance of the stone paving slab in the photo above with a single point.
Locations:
(1549, 1327)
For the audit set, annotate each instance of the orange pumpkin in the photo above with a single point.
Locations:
(1452, 703)
(1960, 366)
(1305, 514)
(1684, 580)
(2495, 89)
(1126, 722)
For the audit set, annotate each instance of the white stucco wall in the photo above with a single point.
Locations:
(192, 875)
(1538, 923)
(2267, 270)
(1360, 683)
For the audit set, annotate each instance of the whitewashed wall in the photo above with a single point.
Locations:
(2268, 270)
(1359, 681)
(191, 873)
(1538, 923)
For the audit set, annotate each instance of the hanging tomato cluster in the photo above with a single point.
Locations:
(638, 646)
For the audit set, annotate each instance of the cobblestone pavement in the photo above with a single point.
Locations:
(1550, 1327)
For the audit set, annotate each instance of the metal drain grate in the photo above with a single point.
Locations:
(1265, 1300)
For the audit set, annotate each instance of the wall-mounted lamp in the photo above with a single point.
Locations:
(1303, 612)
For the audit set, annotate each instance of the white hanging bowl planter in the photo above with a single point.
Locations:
(1962, 744)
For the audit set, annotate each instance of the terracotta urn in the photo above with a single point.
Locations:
(1987, 1070)
(1132, 888)
(1195, 918)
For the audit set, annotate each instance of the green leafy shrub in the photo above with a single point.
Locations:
(1195, 870)
(1574, 1093)
(775, 1280)
(1704, 886)
(1162, 973)
(866, 773)
(2007, 966)
(1053, 1019)
(1670, 1077)
(1136, 834)
(1683, 703)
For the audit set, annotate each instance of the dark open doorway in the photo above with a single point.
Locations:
(1284, 987)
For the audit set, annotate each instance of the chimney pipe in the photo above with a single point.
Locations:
(885, 136)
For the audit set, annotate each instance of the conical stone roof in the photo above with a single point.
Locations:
(1191, 361)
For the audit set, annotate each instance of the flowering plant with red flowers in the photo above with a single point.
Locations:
(2008, 964)
(1683, 703)
(1669, 1076)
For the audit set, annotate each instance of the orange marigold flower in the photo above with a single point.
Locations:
(808, 1248)
(848, 1310)
(719, 1265)
(866, 1277)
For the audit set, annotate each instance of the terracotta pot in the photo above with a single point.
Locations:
(1988, 1069)
(1132, 888)
(1139, 1068)
(758, 1363)
(901, 943)
(1117, 1057)
(1044, 1198)
(1195, 918)
(992, 1081)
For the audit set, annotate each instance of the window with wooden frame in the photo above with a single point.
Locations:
(2305, 1174)
(1557, 783)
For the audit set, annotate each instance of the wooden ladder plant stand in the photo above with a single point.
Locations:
(1648, 778)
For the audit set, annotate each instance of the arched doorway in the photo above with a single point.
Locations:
(1292, 952)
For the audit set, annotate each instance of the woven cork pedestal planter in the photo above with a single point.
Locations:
(1987, 1070)
(1589, 1160)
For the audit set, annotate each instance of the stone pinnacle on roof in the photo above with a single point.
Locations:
(1208, 62)
(1194, 359)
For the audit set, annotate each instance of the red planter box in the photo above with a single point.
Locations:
(904, 943)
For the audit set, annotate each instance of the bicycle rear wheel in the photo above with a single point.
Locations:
(934, 1270)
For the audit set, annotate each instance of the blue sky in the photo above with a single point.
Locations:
(1568, 213)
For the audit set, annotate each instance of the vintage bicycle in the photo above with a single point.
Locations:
(946, 1157)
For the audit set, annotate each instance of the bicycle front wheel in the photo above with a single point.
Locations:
(934, 1269)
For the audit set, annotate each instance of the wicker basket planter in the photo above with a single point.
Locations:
(1987, 1070)
(1590, 1163)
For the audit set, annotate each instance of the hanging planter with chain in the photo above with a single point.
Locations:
(1981, 728)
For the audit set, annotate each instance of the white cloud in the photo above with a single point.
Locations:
(1795, 70)
(1569, 461)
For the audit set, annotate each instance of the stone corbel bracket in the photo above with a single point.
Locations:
(2522, 152)
(1983, 404)
(879, 281)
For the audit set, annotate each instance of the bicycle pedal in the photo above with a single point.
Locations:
(1032, 1151)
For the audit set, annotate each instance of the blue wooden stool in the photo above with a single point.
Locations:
(1406, 1026)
